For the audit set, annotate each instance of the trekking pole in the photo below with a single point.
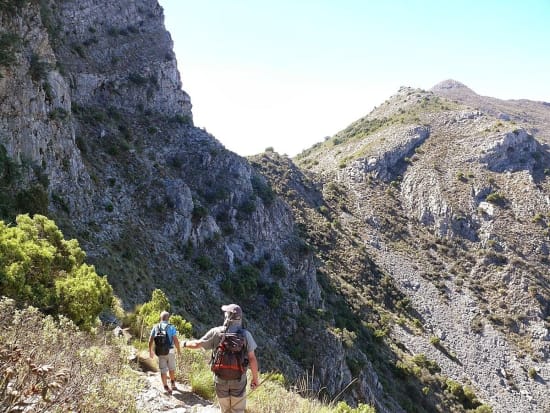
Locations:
(255, 388)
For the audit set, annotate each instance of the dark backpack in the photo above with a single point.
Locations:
(228, 359)
(162, 341)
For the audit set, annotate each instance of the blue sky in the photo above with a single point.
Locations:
(285, 74)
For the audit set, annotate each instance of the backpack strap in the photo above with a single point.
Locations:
(242, 331)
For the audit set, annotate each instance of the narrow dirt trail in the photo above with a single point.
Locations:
(153, 398)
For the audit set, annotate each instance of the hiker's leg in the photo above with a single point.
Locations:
(238, 404)
(225, 404)
(172, 365)
(222, 391)
(163, 367)
(237, 395)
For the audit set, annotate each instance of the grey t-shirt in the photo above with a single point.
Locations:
(213, 337)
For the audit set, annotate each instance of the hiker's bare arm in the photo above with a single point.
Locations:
(193, 344)
(177, 344)
(151, 353)
(253, 363)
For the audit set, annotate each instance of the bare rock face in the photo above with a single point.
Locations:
(121, 55)
(398, 145)
(511, 152)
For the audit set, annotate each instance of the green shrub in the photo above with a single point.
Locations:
(273, 292)
(342, 407)
(9, 44)
(79, 50)
(182, 119)
(84, 296)
(463, 394)
(484, 409)
(58, 113)
(42, 269)
(538, 218)
(199, 212)
(496, 198)
(204, 262)
(185, 328)
(12, 6)
(33, 200)
(148, 314)
(278, 269)
(242, 283)
(138, 79)
(262, 190)
(435, 341)
(248, 206)
(38, 69)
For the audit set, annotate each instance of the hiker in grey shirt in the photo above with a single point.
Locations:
(230, 392)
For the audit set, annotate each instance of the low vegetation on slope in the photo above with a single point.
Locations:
(363, 304)
(50, 365)
(465, 207)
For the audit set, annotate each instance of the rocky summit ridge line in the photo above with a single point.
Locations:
(409, 251)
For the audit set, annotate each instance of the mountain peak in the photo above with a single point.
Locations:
(451, 85)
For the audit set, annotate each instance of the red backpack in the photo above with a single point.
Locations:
(229, 358)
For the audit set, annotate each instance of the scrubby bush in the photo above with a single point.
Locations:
(49, 365)
(9, 43)
(435, 341)
(39, 267)
(84, 296)
(242, 283)
(148, 314)
(204, 262)
(342, 407)
(262, 190)
(496, 198)
(184, 327)
(278, 269)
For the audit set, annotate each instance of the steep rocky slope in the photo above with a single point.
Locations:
(452, 201)
(346, 260)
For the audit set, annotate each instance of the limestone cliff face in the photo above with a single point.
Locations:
(93, 112)
(35, 103)
(119, 54)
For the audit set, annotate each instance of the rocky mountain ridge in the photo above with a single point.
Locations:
(476, 183)
(436, 200)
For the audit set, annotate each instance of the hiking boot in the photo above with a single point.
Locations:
(167, 389)
(174, 387)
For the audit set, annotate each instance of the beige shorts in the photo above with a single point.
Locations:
(168, 362)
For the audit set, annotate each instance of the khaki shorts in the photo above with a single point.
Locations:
(168, 362)
(231, 394)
